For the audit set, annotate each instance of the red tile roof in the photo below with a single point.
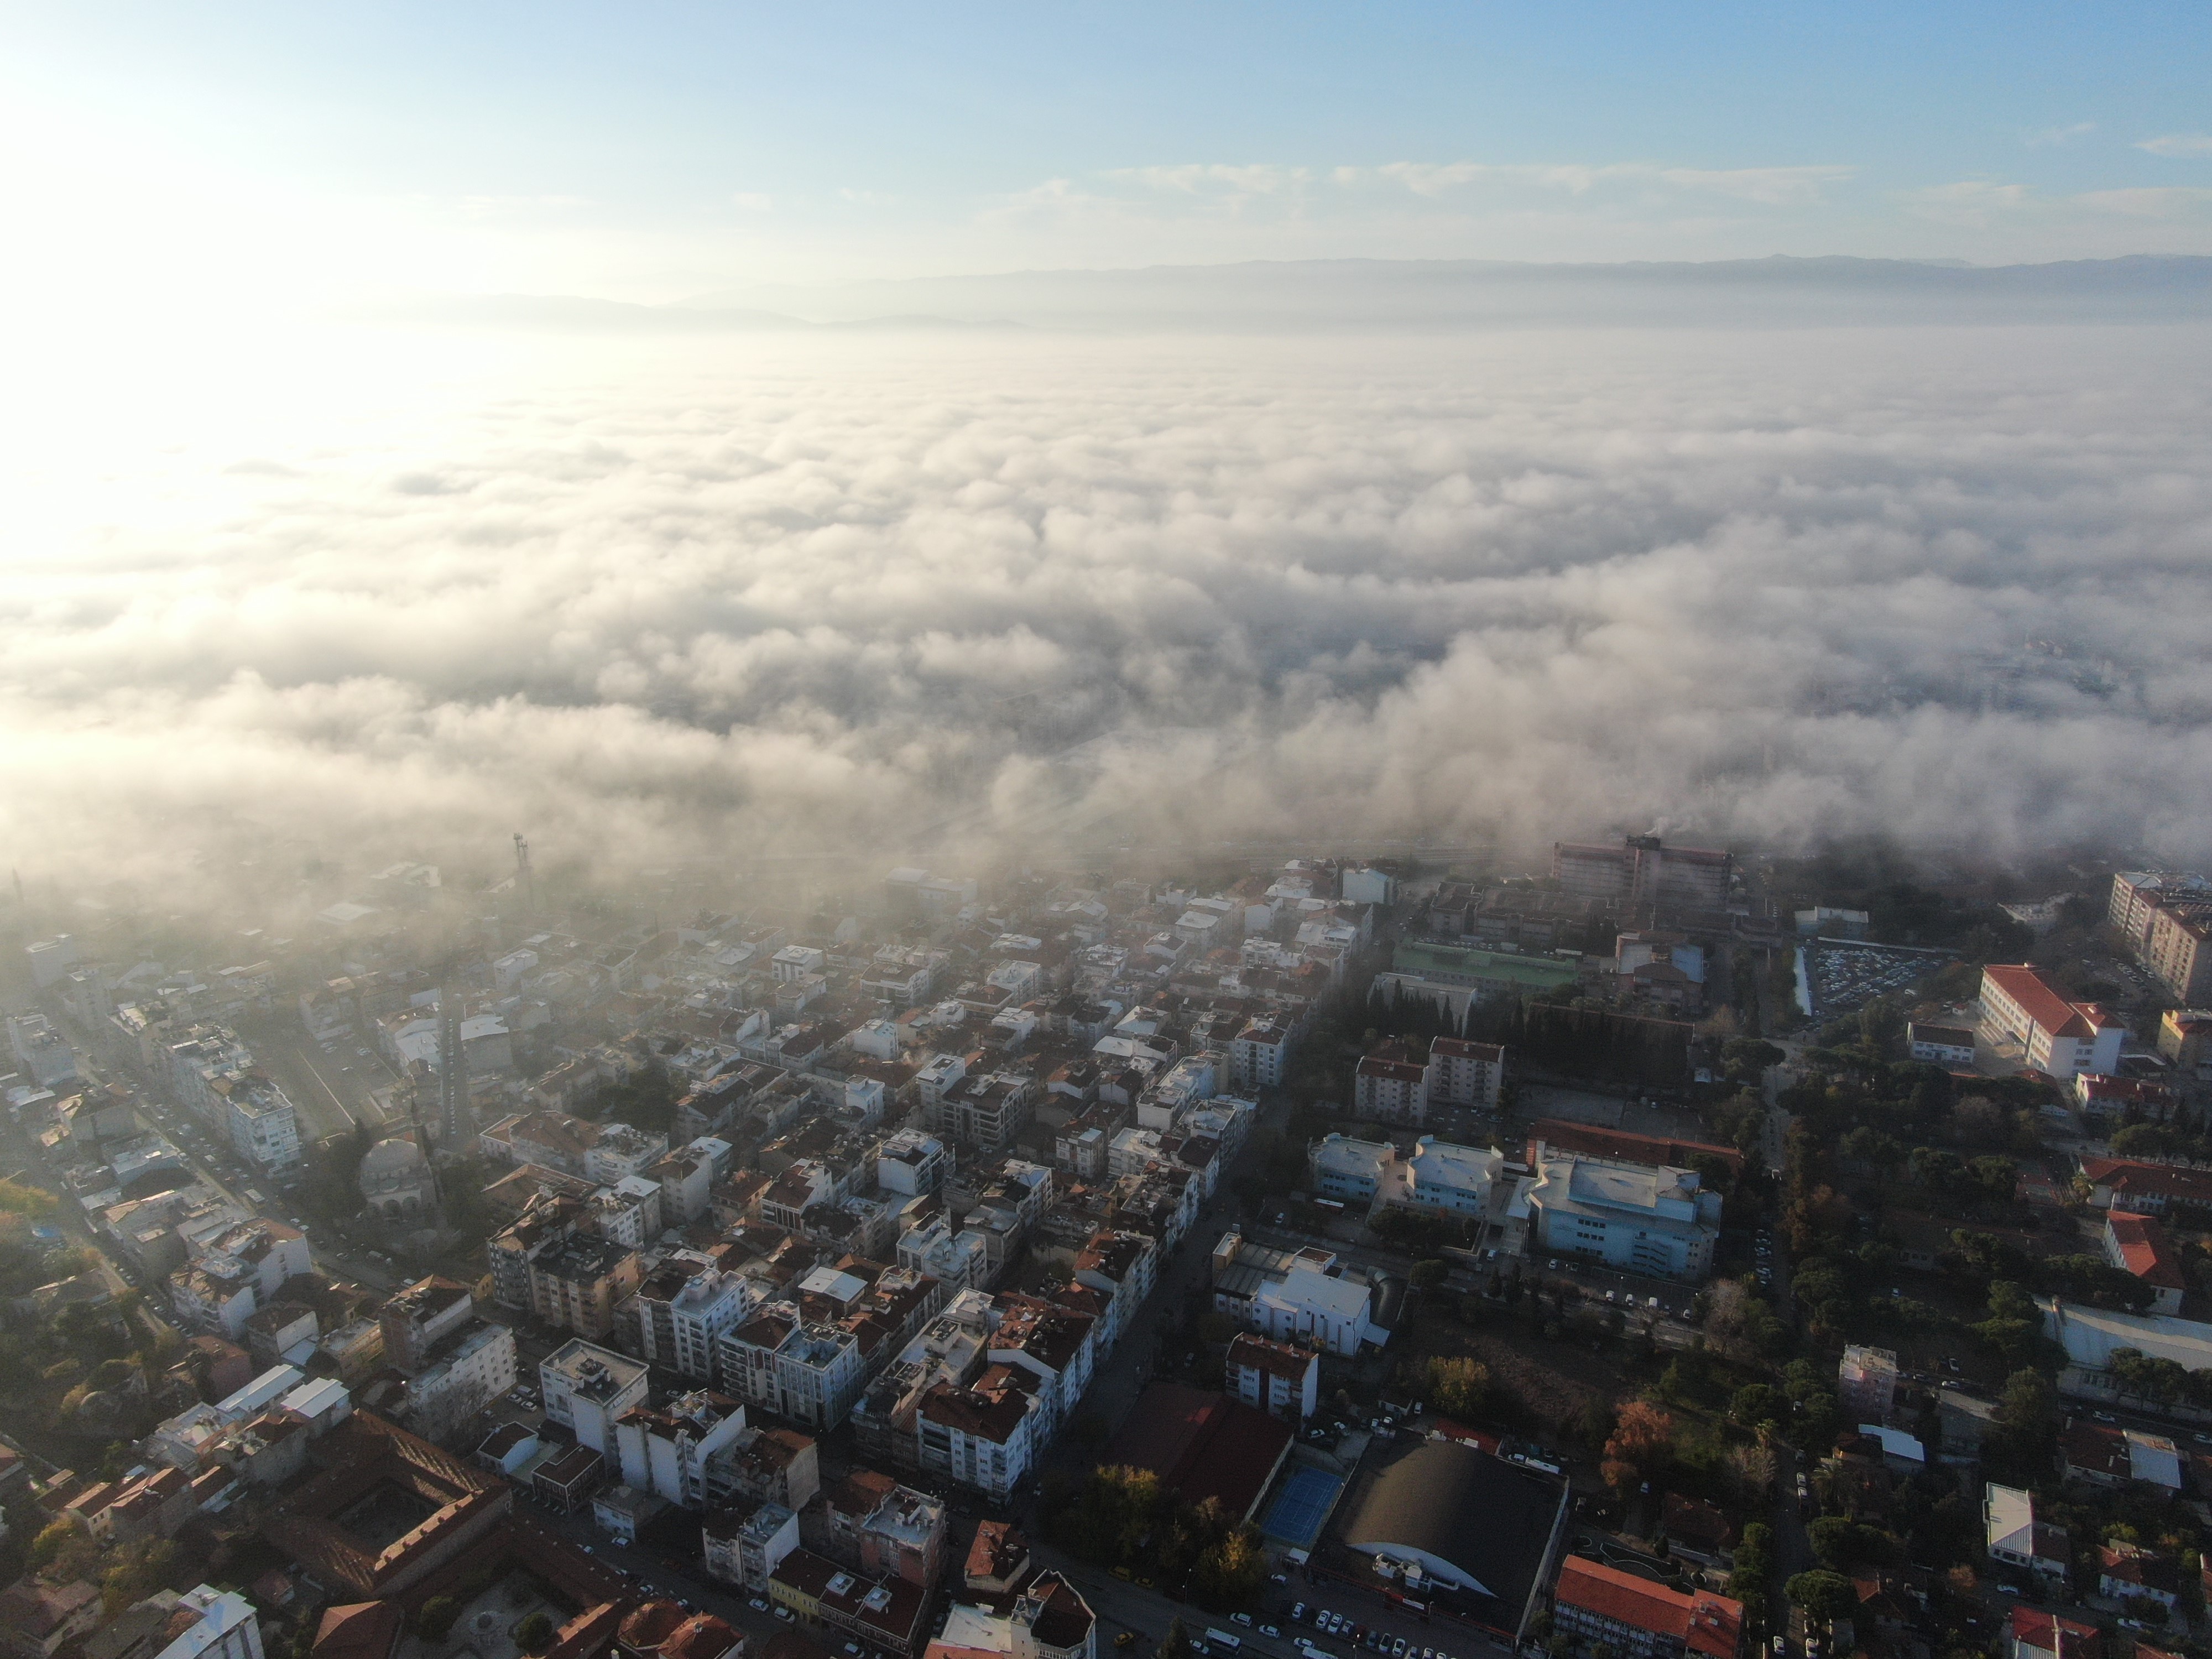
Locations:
(2040, 1001)
(1274, 1359)
(360, 1630)
(2143, 1250)
(2039, 1629)
(2096, 1449)
(702, 1636)
(2124, 1178)
(1623, 1147)
(652, 1624)
(1710, 1625)
(1202, 1444)
(1397, 1069)
(1460, 1048)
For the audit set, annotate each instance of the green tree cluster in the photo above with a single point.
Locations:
(2019, 1446)
(1457, 1388)
(1752, 1580)
(1123, 1520)
(1825, 1595)
(2015, 1325)
(1843, 1544)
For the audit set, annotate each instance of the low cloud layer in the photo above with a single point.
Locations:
(763, 596)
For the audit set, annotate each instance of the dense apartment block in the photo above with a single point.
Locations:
(1642, 870)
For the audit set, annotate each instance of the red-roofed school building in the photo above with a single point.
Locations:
(1641, 1619)
(2058, 1036)
(2136, 1244)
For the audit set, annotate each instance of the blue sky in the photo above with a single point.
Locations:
(649, 150)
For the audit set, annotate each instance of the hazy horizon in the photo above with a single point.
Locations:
(723, 435)
(736, 597)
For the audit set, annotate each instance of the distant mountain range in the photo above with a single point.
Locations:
(1407, 294)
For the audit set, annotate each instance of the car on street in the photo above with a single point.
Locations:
(1269, 1630)
(757, 1603)
(1241, 1618)
(783, 1613)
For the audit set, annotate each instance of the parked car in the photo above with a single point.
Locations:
(757, 1603)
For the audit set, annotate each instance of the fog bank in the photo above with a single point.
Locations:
(914, 593)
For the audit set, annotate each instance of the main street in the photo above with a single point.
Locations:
(1122, 1604)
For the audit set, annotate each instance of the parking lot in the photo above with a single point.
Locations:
(1845, 977)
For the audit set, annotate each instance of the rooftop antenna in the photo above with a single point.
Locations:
(522, 875)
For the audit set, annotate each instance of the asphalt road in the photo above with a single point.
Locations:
(1124, 1605)
(656, 1575)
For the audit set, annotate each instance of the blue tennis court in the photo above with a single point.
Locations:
(1300, 1506)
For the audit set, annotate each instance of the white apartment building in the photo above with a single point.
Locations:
(806, 1370)
(666, 1451)
(465, 1373)
(621, 1151)
(987, 1112)
(684, 1309)
(911, 1163)
(1386, 1090)
(1297, 1296)
(1056, 1345)
(746, 1543)
(794, 962)
(960, 1261)
(588, 1389)
(1463, 1073)
(225, 1625)
(1637, 1217)
(2060, 1038)
(1133, 1150)
(1121, 1266)
(627, 1213)
(986, 1435)
(262, 1125)
(939, 1075)
(42, 1051)
(269, 1252)
(1275, 1377)
(1259, 1054)
(685, 1178)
